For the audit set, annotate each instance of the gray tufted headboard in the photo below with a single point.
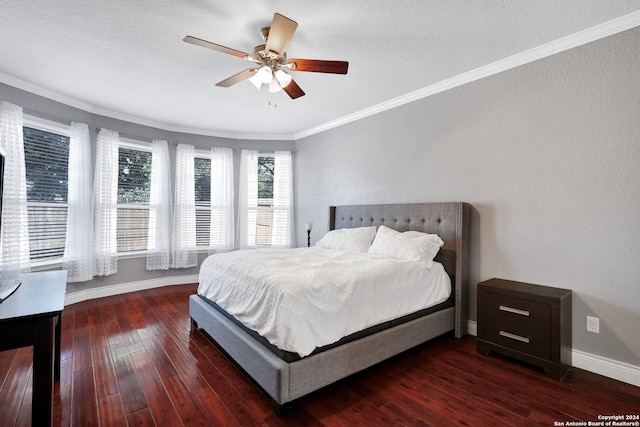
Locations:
(448, 220)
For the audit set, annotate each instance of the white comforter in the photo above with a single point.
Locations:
(304, 298)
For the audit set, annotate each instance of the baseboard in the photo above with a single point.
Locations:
(472, 328)
(620, 371)
(106, 291)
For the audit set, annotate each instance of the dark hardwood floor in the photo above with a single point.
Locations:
(134, 360)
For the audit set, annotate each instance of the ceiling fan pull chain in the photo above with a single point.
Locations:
(273, 99)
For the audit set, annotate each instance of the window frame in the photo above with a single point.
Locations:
(58, 128)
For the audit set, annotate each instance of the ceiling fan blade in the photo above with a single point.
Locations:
(242, 75)
(319, 66)
(214, 46)
(293, 90)
(280, 34)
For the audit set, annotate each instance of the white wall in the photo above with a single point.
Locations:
(547, 154)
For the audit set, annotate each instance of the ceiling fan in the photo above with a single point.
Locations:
(271, 63)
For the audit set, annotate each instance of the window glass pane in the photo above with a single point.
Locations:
(134, 175)
(265, 200)
(202, 178)
(203, 225)
(47, 230)
(134, 183)
(263, 227)
(47, 163)
(46, 157)
(265, 179)
(132, 229)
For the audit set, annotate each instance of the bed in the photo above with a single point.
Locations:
(284, 378)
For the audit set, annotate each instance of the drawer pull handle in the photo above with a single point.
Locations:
(514, 310)
(514, 337)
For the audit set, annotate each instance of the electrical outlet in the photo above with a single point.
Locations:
(593, 324)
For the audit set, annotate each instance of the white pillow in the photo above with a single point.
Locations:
(410, 245)
(349, 239)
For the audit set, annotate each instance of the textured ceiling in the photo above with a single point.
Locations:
(126, 59)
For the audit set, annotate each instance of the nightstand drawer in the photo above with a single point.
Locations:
(517, 337)
(530, 314)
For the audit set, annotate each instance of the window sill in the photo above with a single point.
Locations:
(57, 263)
(131, 255)
(46, 265)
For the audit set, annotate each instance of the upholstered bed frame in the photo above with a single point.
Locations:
(285, 382)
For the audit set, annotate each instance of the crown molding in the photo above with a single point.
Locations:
(91, 109)
(580, 38)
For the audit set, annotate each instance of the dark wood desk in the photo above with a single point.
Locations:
(31, 316)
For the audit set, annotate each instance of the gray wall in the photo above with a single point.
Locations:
(548, 154)
(131, 269)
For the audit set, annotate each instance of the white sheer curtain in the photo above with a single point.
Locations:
(221, 232)
(159, 237)
(282, 228)
(14, 244)
(105, 204)
(78, 250)
(184, 251)
(248, 199)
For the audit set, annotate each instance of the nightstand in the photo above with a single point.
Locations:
(531, 323)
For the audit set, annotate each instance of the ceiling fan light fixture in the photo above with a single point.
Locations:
(256, 80)
(265, 74)
(283, 78)
(274, 86)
